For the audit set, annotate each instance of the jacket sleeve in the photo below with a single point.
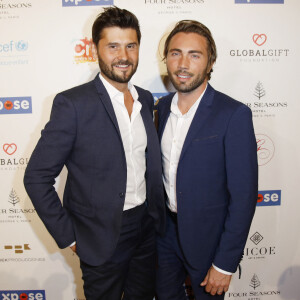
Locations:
(242, 184)
(48, 158)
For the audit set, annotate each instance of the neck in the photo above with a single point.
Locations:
(122, 87)
(186, 100)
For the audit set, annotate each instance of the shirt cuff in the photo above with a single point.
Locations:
(221, 271)
(72, 244)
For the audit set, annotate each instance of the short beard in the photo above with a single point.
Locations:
(182, 88)
(112, 75)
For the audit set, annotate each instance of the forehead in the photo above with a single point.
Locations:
(115, 34)
(188, 41)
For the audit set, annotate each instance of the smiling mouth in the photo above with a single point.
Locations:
(184, 76)
(122, 66)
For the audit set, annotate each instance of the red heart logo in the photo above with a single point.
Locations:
(10, 149)
(259, 39)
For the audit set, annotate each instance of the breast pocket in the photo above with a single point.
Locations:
(207, 139)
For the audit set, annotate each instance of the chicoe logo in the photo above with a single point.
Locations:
(259, 1)
(259, 252)
(256, 238)
(23, 295)
(269, 198)
(15, 105)
(86, 2)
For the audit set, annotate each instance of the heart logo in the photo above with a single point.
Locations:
(259, 39)
(10, 149)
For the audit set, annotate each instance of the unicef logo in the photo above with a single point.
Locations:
(21, 45)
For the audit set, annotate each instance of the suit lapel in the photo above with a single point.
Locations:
(146, 116)
(199, 119)
(164, 115)
(104, 97)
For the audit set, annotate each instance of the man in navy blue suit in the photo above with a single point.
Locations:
(103, 132)
(209, 162)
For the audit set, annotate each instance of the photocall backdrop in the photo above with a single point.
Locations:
(46, 47)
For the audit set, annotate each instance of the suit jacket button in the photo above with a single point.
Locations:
(121, 195)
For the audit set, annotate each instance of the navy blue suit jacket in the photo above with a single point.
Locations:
(83, 134)
(216, 185)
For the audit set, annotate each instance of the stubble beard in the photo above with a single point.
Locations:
(187, 88)
(111, 74)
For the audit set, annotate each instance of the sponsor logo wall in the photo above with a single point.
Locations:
(86, 2)
(23, 295)
(15, 105)
(257, 42)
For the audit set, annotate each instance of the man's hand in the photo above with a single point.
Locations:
(73, 248)
(216, 282)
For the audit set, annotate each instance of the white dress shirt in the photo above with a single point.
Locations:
(134, 140)
(172, 141)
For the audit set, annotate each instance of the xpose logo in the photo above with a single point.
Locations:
(23, 295)
(86, 2)
(259, 1)
(15, 105)
(269, 198)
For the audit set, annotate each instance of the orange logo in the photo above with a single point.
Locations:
(10, 149)
(259, 39)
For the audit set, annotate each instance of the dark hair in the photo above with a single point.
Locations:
(114, 17)
(195, 27)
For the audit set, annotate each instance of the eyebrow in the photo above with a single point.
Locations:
(117, 43)
(190, 51)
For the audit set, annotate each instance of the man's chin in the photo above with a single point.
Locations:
(123, 78)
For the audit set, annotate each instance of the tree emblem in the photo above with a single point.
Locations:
(259, 91)
(254, 282)
(13, 197)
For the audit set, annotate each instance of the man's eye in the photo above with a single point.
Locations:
(133, 46)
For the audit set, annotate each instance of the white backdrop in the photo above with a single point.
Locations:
(45, 47)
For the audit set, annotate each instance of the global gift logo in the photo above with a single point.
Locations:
(10, 149)
(259, 39)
